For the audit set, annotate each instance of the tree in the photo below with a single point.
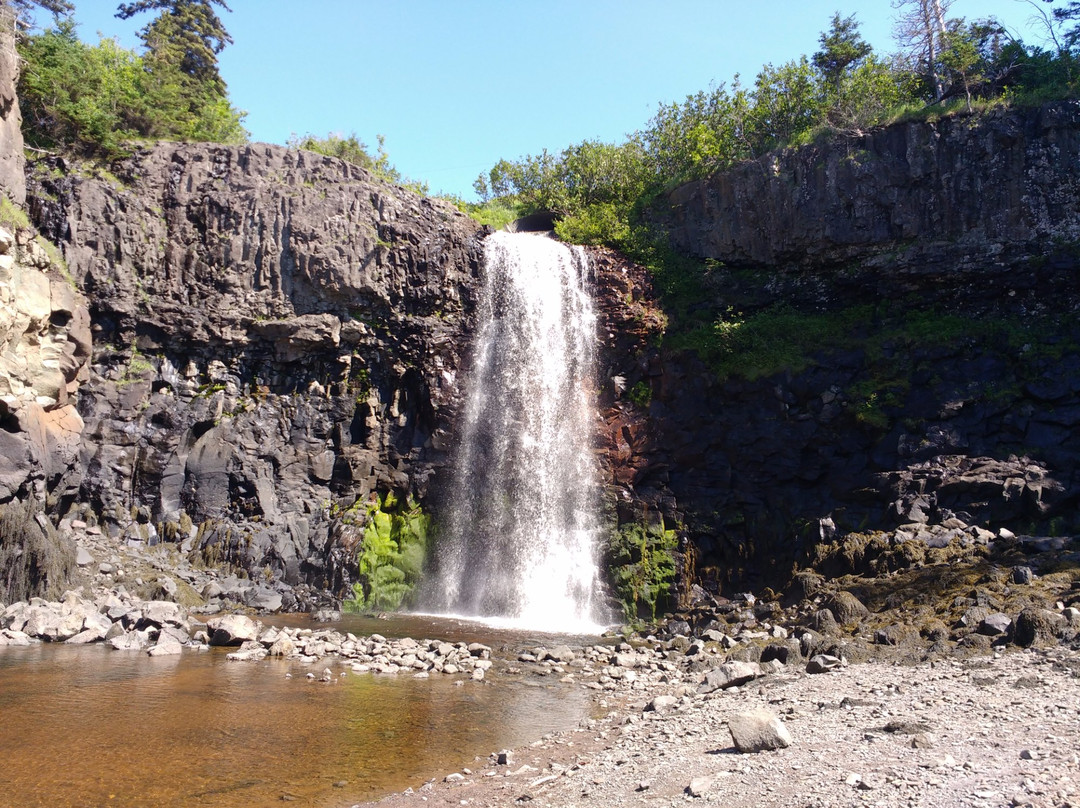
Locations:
(842, 47)
(920, 27)
(786, 103)
(1069, 12)
(960, 56)
(187, 35)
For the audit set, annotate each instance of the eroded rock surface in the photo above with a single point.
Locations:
(276, 336)
(44, 356)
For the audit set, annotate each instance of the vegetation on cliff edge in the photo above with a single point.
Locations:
(94, 100)
(944, 66)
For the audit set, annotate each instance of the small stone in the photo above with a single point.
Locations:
(922, 740)
(870, 782)
(700, 786)
(643, 785)
(504, 758)
(1027, 754)
(661, 704)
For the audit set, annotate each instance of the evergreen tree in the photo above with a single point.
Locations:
(187, 35)
(841, 48)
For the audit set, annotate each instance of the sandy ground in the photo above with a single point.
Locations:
(1002, 730)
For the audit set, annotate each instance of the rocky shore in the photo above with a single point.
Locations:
(953, 682)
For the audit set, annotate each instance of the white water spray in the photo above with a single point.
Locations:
(520, 540)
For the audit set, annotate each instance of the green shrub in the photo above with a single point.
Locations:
(391, 556)
(641, 563)
(93, 100)
(641, 394)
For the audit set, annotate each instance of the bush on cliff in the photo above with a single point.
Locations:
(597, 189)
(641, 562)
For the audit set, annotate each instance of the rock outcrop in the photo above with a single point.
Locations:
(962, 439)
(946, 199)
(12, 161)
(276, 336)
(44, 355)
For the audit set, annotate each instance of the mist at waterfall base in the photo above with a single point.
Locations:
(519, 540)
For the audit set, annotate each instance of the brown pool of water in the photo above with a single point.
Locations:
(89, 726)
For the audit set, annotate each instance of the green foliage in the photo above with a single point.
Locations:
(496, 213)
(590, 187)
(187, 36)
(93, 100)
(641, 562)
(35, 561)
(11, 215)
(391, 556)
(641, 394)
(842, 47)
(353, 150)
(597, 190)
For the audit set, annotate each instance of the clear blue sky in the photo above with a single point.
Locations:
(455, 85)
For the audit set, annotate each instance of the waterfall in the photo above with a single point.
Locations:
(519, 537)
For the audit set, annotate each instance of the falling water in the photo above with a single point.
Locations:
(520, 540)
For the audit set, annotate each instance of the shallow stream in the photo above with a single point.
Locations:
(89, 726)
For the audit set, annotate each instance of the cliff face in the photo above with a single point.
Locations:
(44, 355)
(12, 161)
(938, 438)
(276, 335)
(948, 199)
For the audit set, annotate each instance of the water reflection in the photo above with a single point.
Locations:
(87, 726)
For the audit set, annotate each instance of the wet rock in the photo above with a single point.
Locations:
(758, 731)
(232, 629)
(130, 641)
(167, 645)
(282, 646)
(250, 651)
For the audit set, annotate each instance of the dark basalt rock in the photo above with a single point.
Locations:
(276, 335)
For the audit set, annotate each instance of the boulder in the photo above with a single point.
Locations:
(758, 731)
(822, 663)
(729, 674)
(167, 645)
(232, 629)
(847, 608)
(1037, 627)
